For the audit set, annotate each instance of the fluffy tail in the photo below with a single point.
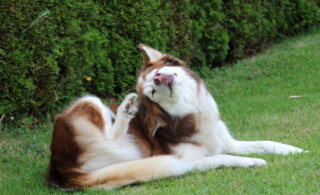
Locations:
(137, 171)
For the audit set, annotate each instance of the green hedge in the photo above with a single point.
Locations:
(47, 64)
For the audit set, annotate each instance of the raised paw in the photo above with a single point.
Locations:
(131, 104)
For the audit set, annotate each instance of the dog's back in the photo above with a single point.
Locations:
(65, 167)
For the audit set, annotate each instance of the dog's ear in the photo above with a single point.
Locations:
(150, 54)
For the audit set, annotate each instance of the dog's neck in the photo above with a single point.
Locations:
(160, 127)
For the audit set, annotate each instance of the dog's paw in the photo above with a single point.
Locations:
(291, 150)
(130, 104)
(279, 148)
(256, 162)
(294, 150)
(247, 162)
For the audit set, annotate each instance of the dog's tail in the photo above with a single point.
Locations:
(137, 171)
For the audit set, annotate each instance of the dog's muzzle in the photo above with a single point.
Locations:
(163, 79)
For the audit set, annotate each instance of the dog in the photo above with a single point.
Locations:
(173, 128)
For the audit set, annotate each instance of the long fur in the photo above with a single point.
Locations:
(88, 150)
(174, 129)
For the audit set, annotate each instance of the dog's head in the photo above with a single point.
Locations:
(168, 82)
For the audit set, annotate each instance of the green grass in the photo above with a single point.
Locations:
(254, 99)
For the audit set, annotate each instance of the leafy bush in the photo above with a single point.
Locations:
(210, 38)
(251, 25)
(91, 46)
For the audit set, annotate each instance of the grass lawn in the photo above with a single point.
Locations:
(254, 97)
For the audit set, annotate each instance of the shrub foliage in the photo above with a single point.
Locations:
(91, 46)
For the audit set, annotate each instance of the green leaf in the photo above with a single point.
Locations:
(40, 17)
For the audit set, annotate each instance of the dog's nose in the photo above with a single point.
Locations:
(160, 78)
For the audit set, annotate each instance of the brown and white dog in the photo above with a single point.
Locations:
(174, 129)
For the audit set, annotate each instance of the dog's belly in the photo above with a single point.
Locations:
(111, 152)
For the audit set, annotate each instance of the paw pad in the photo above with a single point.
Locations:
(131, 104)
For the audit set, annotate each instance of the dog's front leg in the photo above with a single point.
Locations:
(200, 157)
(126, 111)
(224, 160)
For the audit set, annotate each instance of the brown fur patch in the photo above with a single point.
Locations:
(90, 111)
(175, 130)
(140, 137)
(166, 60)
(64, 168)
(114, 108)
(64, 154)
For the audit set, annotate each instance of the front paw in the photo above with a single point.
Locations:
(256, 162)
(246, 162)
(130, 104)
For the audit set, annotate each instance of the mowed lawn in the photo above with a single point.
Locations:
(273, 96)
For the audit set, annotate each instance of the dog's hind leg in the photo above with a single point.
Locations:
(232, 146)
(136, 171)
(260, 147)
(199, 155)
(126, 111)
